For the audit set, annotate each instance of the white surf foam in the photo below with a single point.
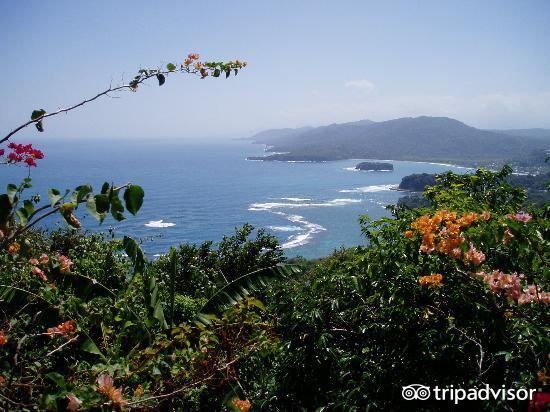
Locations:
(268, 206)
(296, 199)
(370, 189)
(285, 228)
(159, 224)
(301, 239)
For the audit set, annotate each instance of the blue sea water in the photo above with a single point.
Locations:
(201, 190)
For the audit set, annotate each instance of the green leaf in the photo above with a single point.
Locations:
(241, 287)
(161, 79)
(90, 347)
(37, 113)
(22, 215)
(58, 379)
(150, 288)
(117, 209)
(80, 194)
(135, 253)
(39, 126)
(102, 203)
(92, 209)
(11, 192)
(171, 67)
(216, 73)
(105, 188)
(133, 197)
(54, 195)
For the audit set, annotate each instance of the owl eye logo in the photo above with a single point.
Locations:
(415, 392)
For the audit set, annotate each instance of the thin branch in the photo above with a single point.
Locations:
(61, 347)
(97, 96)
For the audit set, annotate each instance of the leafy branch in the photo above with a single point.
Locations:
(191, 65)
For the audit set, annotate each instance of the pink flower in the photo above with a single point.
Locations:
(38, 272)
(44, 259)
(65, 264)
(499, 281)
(523, 217)
(33, 261)
(474, 256)
(508, 235)
(532, 294)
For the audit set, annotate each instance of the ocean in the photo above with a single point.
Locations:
(201, 190)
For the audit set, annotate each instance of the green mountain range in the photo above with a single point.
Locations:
(424, 138)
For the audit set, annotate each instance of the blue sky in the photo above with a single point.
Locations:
(486, 63)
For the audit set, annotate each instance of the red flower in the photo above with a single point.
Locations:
(30, 161)
(23, 153)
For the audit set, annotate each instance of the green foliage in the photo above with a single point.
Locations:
(343, 333)
(359, 325)
(240, 288)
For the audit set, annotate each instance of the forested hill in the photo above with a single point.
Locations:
(421, 138)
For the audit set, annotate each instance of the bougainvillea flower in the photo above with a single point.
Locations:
(66, 329)
(3, 339)
(431, 280)
(474, 256)
(107, 388)
(40, 273)
(65, 264)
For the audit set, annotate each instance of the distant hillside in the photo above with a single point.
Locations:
(530, 133)
(421, 139)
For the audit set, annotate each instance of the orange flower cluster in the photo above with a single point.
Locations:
(434, 237)
(442, 233)
(432, 280)
(138, 392)
(106, 387)
(3, 339)
(190, 58)
(14, 248)
(243, 406)
(65, 329)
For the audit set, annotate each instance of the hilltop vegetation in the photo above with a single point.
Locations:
(423, 138)
(455, 294)
(536, 186)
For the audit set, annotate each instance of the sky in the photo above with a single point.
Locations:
(310, 63)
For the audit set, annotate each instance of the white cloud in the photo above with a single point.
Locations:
(362, 84)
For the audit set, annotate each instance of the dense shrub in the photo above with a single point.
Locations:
(452, 294)
(415, 306)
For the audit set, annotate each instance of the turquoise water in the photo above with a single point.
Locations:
(196, 191)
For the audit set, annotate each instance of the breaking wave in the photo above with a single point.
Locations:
(370, 189)
(159, 224)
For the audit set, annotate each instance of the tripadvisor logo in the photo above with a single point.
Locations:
(421, 393)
